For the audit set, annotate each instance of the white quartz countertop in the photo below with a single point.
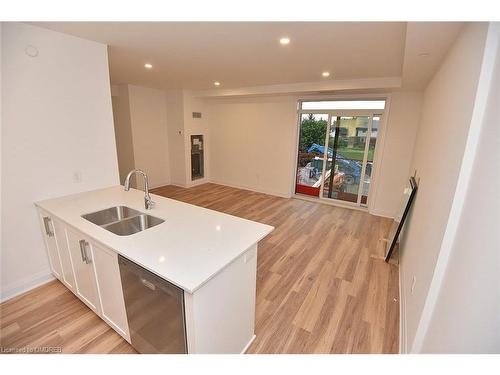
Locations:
(187, 249)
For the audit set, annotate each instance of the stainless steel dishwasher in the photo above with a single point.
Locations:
(155, 310)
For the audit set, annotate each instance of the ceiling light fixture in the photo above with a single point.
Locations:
(217, 83)
(325, 74)
(148, 66)
(424, 54)
(285, 40)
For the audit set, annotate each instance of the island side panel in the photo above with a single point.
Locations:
(220, 316)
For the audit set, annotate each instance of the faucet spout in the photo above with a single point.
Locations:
(148, 202)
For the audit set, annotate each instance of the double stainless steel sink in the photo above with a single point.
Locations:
(122, 220)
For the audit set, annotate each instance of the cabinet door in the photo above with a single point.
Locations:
(110, 289)
(62, 245)
(81, 256)
(51, 244)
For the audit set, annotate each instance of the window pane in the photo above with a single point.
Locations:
(310, 153)
(369, 162)
(346, 156)
(344, 104)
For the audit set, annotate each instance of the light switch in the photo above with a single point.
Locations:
(77, 177)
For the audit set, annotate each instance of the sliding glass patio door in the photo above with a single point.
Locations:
(349, 160)
(336, 155)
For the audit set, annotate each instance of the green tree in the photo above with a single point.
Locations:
(312, 131)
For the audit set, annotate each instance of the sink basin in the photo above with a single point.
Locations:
(110, 215)
(133, 225)
(122, 220)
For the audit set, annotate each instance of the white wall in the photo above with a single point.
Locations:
(123, 131)
(466, 315)
(148, 119)
(56, 122)
(396, 152)
(252, 143)
(174, 100)
(141, 133)
(1, 127)
(446, 115)
(194, 126)
(180, 105)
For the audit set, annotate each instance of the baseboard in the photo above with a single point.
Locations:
(22, 286)
(178, 184)
(248, 344)
(244, 187)
(154, 186)
(403, 346)
(236, 186)
(182, 185)
(329, 202)
(381, 213)
(199, 181)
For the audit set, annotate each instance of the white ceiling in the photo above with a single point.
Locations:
(192, 55)
(435, 38)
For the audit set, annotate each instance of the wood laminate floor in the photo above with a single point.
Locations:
(322, 286)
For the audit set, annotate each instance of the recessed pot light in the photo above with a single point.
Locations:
(148, 66)
(217, 83)
(285, 40)
(325, 74)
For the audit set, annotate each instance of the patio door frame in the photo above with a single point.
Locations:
(380, 141)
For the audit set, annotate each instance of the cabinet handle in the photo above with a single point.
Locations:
(88, 259)
(46, 221)
(82, 251)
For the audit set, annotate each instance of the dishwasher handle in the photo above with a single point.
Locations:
(150, 280)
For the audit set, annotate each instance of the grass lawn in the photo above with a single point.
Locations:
(356, 153)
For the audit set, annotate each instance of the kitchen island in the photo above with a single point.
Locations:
(210, 257)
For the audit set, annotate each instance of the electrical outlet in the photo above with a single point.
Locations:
(413, 283)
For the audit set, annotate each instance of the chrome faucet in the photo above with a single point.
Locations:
(148, 202)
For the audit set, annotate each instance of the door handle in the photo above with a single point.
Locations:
(48, 231)
(148, 284)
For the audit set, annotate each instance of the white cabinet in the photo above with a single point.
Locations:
(88, 269)
(110, 289)
(219, 316)
(57, 248)
(51, 244)
(68, 277)
(85, 280)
